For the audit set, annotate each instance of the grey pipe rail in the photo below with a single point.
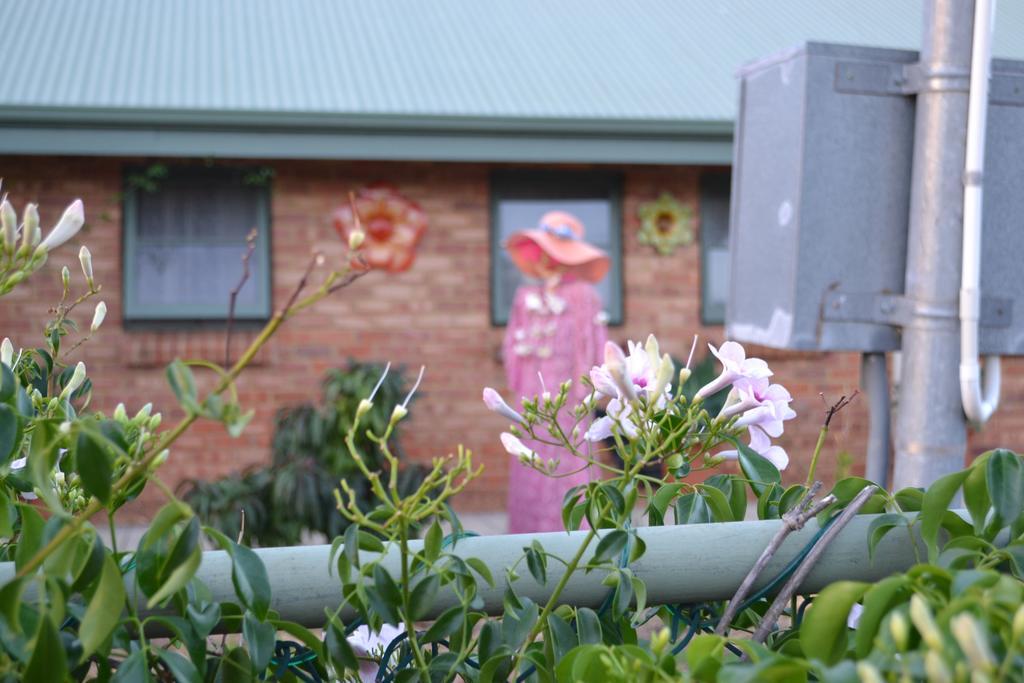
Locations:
(682, 565)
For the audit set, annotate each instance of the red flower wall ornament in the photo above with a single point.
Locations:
(393, 225)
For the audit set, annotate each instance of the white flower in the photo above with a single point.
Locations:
(494, 401)
(77, 378)
(366, 643)
(516, 447)
(762, 404)
(735, 366)
(67, 227)
(9, 226)
(85, 258)
(618, 414)
(98, 315)
(853, 618)
(7, 352)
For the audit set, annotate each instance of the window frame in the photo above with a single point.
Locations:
(134, 312)
(556, 184)
(711, 183)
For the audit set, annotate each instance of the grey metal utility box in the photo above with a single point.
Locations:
(821, 196)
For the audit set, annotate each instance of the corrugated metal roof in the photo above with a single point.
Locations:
(600, 60)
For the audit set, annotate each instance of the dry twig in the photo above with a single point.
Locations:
(250, 246)
(793, 520)
(783, 598)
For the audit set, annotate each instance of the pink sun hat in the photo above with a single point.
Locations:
(560, 236)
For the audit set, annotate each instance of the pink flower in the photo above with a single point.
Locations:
(735, 366)
(367, 643)
(641, 373)
(516, 447)
(762, 404)
(618, 414)
(494, 401)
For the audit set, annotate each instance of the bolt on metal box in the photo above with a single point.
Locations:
(821, 196)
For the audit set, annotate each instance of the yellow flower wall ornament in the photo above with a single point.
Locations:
(666, 224)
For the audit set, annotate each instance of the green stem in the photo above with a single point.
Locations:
(410, 626)
(814, 458)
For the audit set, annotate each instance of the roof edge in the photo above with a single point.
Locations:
(243, 119)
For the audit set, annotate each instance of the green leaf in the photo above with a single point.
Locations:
(1006, 485)
(250, 579)
(183, 384)
(717, 503)
(235, 667)
(878, 602)
(423, 594)
(178, 578)
(610, 545)
(182, 669)
(910, 499)
(537, 566)
(562, 636)
(386, 585)
(432, 542)
(692, 508)
(31, 537)
(339, 650)
(446, 624)
(8, 384)
(104, 610)
(203, 620)
(132, 669)
(758, 469)
(623, 595)
(704, 655)
(94, 467)
(882, 525)
(10, 432)
(259, 636)
(47, 661)
(588, 626)
(976, 496)
(934, 506)
(823, 633)
(664, 496)
(481, 568)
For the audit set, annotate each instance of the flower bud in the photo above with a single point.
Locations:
(9, 226)
(494, 401)
(936, 668)
(684, 374)
(65, 277)
(98, 315)
(7, 352)
(659, 641)
(663, 377)
(64, 428)
(160, 459)
(67, 227)
(900, 630)
(972, 641)
(363, 408)
(59, 478)
(925, 624)
(77, 378)
(356, 239)
(1018, 624)
(85, 258)
(867, 673)
(30, 225)
(144, 412)
(398, 413)
(154, 422)
(120, 414)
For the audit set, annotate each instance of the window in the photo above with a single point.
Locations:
(184, 236)
(714, 246)
(520, 198)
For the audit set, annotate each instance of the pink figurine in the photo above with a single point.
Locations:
(556, 331)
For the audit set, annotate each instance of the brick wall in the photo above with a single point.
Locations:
(435, 314)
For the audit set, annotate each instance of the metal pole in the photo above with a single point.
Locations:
(874, 380)
(931, 432)
(683, 565)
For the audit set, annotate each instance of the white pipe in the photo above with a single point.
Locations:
(978, 404)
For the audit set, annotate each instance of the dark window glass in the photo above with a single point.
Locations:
(520, 198)
(714, 246)
(185, 233)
